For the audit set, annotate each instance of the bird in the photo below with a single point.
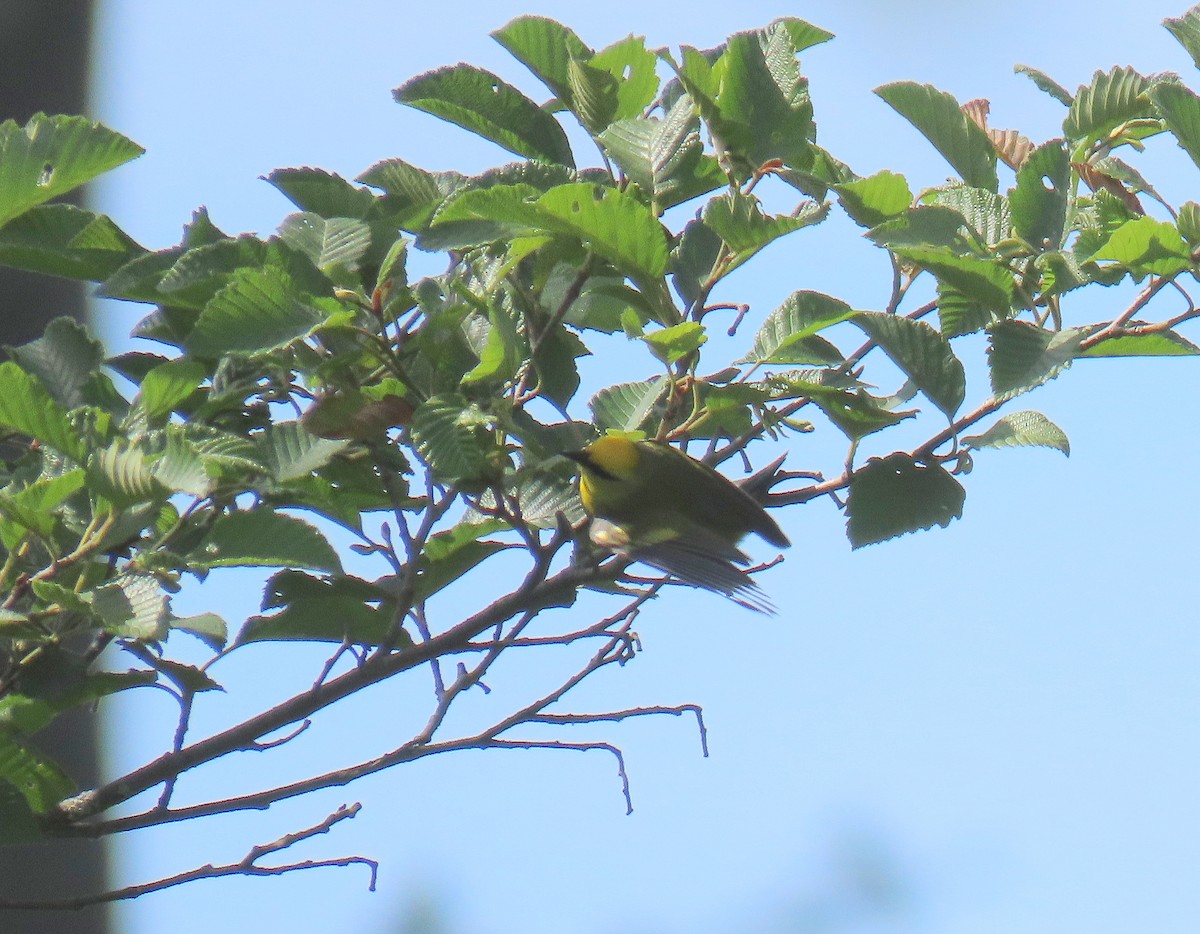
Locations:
(653, 503)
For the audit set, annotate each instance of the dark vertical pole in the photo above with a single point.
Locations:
(44, 46)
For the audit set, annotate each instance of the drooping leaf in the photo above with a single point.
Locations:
(765, 112)
(451, 554)
(871, 201)
(1045, 83)
(634, 66)
(40, 781)
(1022, 429)
(1022, 356)
(314, 609)
(611, 222)
(479, 101)
(893, 495)
(984, 281)
(1180, 107)
(546, 48)
(665, 157)
(675, 343)
(986, 213)
(1039, 200)
(741, 223)
(940, 120)
(123, 472)
(922, 353)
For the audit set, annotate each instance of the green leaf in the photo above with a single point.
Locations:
(291, 452)
(740, 222)
(543, 493)
(33, 508)
(329, 243)
(1186, 29)
(855, 413)
(670, 345)
(984, 281)
(169, 384)
(986, 213)
(922, 353)
(202, 271)
(264, 538)
(765, 110)
(694, 259)
(26, 407)
(133, 606)
(65, 359)
(38, 778)
(1112, 98)
(123, 473)
(501, 354)
(1022, 356)
(871, 201)
(482, 103)
(50, 156)
(321, 610)
(664, 157)
(17, 821)
(1189, 222)
(258, 311)
(1147, 245)
(1151, 344)
(940, 120)
(546, 48)
(635, 68)
(1045, 83)
(1039, 200)
(209, 628)
(451, 554)
(1180, 107)
(451, 436)
(324, 193)
(894, 495)
(181, 467)
(476, 216)
(1022, 429)
(65, 240)
(613, 223)
(925, 227)
(413, 193)
(593, 95)
(788, 333)
(627, 406)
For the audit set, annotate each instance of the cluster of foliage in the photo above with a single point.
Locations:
(304, 382)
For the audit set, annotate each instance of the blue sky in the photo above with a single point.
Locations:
(989, 728)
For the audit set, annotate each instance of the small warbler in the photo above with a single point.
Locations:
(651, 502)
